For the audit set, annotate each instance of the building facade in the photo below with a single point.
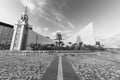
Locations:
(6, 33)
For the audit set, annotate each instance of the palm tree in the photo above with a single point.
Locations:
(70, 45)
(80, 45)
(98, 43)
(59, 38)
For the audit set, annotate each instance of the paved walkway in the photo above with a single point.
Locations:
(51, 72)
(60, 69)
(68, 72)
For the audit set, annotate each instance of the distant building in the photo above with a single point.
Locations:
(6, 33)
(78, 40)
(86, 35)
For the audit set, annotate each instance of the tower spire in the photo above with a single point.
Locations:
(25, 9)
(24, 16)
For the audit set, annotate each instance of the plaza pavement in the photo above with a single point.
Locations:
(51, 72)
(60, 69)
(68, 72)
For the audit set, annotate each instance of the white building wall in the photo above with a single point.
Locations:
(86, 35)
(41, 39)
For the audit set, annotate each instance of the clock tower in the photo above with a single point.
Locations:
(20, 34)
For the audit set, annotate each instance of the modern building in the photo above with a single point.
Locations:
(86, 35)
(6, 33)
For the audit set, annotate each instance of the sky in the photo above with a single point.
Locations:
(48, 17)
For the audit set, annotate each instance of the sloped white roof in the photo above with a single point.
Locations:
(86, 35)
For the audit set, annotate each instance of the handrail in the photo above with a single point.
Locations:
(48, 51)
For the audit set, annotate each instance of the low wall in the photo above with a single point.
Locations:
(49, 51)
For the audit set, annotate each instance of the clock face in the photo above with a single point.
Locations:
(24, 17)
(17, 37)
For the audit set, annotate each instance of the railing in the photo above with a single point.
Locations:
(26, 53)
(49, 51)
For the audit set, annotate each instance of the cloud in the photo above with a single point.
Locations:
(46, 29)
(50, 10)
(70, 24)
(65, 33)
(37, 29)
(41, 31)
(28, 3)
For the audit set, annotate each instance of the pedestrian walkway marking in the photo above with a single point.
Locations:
(60, 70)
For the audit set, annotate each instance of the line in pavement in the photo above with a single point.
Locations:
(68, 72)
(60, 70)
(51, 72)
